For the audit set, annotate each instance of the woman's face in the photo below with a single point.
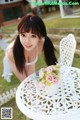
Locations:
(29, 40)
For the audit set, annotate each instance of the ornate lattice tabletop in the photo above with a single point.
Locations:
(64, 104)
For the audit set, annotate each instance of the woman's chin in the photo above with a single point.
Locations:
(29, 49)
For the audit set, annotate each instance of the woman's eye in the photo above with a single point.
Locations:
(23, 35)
(34, 36)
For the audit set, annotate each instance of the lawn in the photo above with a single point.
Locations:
(63, 23)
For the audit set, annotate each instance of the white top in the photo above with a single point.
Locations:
(34, 61)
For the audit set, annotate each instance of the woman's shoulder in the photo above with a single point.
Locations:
(9, 52)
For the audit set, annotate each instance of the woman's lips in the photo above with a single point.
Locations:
(28, 46)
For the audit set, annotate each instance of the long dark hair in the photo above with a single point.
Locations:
(36, 26)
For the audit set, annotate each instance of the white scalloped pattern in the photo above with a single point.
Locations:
(67, 50)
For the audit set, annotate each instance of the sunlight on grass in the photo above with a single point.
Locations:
(4, 85)
(76, 61)
(10, 27)
(63, 23)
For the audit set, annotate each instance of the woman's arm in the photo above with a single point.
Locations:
(9, 54)
(21, 76)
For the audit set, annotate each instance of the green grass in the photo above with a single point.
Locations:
(10, 27)
(17, 115)
(63, 23)
(7, 30)
(51, 14)
(76, 61)
(4, 85)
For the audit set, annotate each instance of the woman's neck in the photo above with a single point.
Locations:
(31, 55)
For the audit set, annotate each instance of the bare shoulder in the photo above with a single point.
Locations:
(9, 52)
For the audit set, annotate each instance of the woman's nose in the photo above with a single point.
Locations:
(27, 39)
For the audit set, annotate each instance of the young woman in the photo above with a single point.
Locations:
(32, 39)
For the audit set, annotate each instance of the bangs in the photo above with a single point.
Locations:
(29, 27)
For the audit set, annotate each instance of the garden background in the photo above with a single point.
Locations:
(57, 28)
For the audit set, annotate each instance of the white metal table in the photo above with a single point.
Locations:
(63, 105)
